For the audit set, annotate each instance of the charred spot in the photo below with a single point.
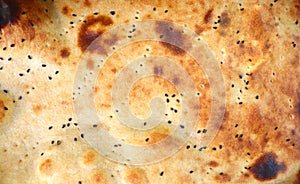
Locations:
(65, 10)
(208, 16)
(158, 70)
(9, 12)
(172, 39)
(266, 167)
(225, 20)
(64, 53)
(90, 30)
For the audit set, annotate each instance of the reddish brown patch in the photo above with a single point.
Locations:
(213, 163)
(297, 181)
(2, 111)
(208, 16)
(225, 20)
(87, 3)
(199, 29)
(46, 167)
(65, 10)
(223, 178)
(112, 40)
(90, 30)
(172, 39)
(11, 14)
(266, 167)
(64, 52)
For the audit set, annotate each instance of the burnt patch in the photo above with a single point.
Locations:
(208, 16)
(223, 177)
(172, 39)
(266, 167)
(157, 70)
(64, 53)
(90, 30)
(9, 12)
(225, 20)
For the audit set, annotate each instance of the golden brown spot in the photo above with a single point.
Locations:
(113, 70)
(46, 167)
(98, 177)
(37, 109)
(208, 16)
(136, 176)
(89, 157)
(64, 52)
(266, 167)
(213, 163)
(172, 39)
(91, 30)
(156, 136)
(65, 10)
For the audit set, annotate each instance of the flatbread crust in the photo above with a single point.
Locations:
(256, 45)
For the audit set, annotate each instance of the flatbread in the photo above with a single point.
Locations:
(254, 44)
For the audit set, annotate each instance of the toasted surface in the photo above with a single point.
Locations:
(256, 46)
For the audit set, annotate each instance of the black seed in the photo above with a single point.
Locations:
(50, 127)
(161, 173)
(95, 125)
(214, 148)
(169, 121)
(147, 139)
(188, 147)
(5, 108)
(220, 146)
(44, 65)
(191, 171)
(58, 142)
(75, 139)
(112, 12)
(82, 136)
(52, 142)
(204, 131)
(287, 140)
(199, 131)
(29, 57)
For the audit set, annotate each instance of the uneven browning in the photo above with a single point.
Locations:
(256, 44)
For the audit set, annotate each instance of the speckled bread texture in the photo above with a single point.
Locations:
(256, 44)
